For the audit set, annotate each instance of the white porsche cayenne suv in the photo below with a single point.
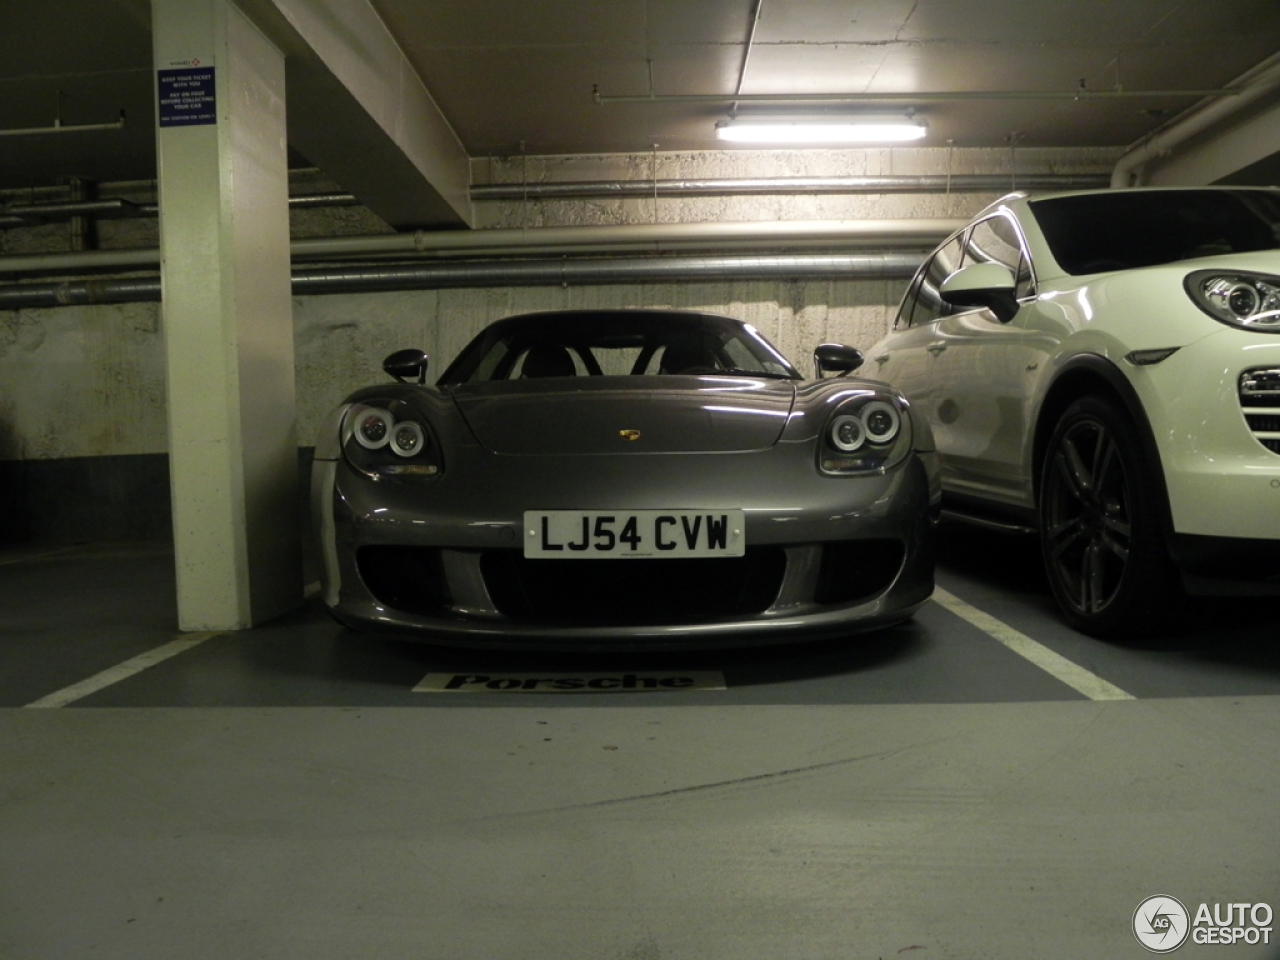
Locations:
(1104, 368)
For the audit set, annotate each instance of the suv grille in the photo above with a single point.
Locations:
(1260, 399)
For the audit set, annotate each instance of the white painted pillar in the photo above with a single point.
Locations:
(224, 243)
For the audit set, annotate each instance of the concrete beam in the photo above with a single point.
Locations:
(359, 111)
(1241, 141)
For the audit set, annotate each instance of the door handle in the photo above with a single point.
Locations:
(937, 347)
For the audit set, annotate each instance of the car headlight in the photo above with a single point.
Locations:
(866, 433)
(1248, 300)
(388, 438)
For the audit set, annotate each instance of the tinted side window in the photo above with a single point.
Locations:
(996, 240)
(927, 305)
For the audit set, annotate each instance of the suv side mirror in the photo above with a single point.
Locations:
(407, 363)
(835, 358)
(989, 285)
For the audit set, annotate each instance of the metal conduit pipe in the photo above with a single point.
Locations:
(69, 293)
(367, 278)
(649, 238)
(114, 207)
(927, 183)
(30, 214)
(918, 96)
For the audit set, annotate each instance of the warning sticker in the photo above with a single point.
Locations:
(569, 683)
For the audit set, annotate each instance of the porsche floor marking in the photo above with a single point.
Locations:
(551, 682)
(1054, 664)
(122, 671)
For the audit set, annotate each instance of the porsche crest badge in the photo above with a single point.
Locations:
(629, 435)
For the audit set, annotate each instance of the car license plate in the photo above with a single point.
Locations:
(633, 534)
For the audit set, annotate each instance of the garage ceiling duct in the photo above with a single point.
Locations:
(709, 187)
(908, 97)
(368, 277)
(659, 238)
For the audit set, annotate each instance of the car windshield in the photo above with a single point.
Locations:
(1096, 232)
(617, 343)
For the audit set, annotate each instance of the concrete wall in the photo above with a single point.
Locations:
(746, 164)
(78, 384)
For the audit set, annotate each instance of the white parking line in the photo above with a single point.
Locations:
(1056, 665)
(122, 671)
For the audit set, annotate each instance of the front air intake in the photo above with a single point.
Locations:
(633, 592)
(1260, 400)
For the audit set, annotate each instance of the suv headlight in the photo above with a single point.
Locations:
(866, 433)
(388, 438)
(1248, 300)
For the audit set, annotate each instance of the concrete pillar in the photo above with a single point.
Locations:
(224, 242)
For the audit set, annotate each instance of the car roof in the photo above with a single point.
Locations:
(521, 319)
(1021, 197)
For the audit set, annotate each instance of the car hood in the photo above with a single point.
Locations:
(599, 415)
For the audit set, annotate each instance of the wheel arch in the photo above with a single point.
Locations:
(1094, 375)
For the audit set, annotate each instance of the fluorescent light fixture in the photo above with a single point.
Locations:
(821, 130)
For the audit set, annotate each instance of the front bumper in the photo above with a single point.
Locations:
(1222, 481)
(441, 558)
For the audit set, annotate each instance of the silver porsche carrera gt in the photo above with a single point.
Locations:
(624, 479)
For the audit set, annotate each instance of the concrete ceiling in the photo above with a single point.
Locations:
(512, 75)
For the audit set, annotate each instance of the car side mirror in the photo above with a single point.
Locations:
(835, 358)
(989, 285)
(407, 363)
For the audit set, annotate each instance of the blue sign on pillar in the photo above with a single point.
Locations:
(186, 97)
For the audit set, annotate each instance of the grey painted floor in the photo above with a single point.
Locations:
(924, 793)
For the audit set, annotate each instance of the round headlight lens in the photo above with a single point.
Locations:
(882, 421)
(868, 433)
(1242, 300)
(407, 439)
(373, 428)
(847, 433)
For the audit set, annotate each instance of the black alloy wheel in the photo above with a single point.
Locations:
(1100, 529)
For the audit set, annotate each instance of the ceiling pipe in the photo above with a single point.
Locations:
(881, 184)
(114, 207)
(89, 260)
(60, 127)
(934, 96)
(369, 278)
(1252, 86)
(639, 237)
(24, 296)
(27, 214)
(626, 238)
(356, 278)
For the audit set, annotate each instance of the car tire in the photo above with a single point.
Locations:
(1100, 528)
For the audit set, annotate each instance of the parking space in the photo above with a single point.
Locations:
(103, 617)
